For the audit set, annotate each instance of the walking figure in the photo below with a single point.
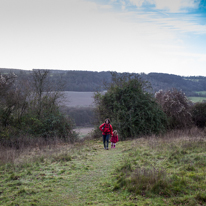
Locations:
(106, 129)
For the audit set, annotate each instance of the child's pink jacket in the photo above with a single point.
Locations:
(114, 139)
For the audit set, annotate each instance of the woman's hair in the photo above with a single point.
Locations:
(106, 120)
(115, 132)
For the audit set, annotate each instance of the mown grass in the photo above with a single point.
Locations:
(167, 170)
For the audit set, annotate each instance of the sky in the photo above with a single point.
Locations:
(141, 36)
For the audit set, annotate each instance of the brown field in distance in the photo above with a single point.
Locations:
(78, 99)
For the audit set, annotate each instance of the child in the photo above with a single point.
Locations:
(114, 139)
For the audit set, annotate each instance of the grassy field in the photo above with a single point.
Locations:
(170, 170)
(201, 92)
(197, 99)
(85, 99)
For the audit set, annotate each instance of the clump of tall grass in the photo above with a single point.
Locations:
(149, 181)
(146, 179)
(62, 157)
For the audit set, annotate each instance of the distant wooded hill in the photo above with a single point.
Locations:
(95, 81)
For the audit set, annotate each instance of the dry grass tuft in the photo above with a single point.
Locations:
(30, 149)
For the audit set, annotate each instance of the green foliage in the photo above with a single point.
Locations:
(32, 111)
(132, 110)
(51, 125)
(83, 116)
(199, 114)
(96, 132)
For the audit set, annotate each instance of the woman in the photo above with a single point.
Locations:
(106, 129)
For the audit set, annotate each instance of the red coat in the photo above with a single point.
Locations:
(114, 139)
(107, 129)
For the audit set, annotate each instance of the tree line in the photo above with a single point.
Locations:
(96, 81)
(29, 106)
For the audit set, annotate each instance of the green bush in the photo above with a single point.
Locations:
(32, 109)
(199, 114)
(96, 133)
(50, 125)
(82, 116)
(133, 111)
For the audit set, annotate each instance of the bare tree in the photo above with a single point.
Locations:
(7, 93)
(45, 94)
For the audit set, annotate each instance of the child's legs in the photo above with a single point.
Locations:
(114, 144)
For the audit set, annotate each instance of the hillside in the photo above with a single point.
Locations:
(145, 171)
(96, 81)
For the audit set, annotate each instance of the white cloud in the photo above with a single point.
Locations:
(80, 35)
(176, 5)
(170, 5)
(123, 5)
(105, 6)
(138, 3)
(186, 25)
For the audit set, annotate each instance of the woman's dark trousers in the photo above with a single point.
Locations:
(106, 140)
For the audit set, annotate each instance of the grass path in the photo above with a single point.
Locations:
(83, 176)
(92, 184)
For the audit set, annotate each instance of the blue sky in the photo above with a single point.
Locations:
(167, 36)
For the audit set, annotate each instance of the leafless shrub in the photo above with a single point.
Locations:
(177, 108)
(6, 82)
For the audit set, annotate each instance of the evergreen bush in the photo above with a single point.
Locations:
(132, 109)
(199, 114)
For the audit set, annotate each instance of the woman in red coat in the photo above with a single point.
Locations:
(106, 129)
(114, 139)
